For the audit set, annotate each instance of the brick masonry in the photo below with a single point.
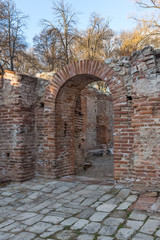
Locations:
(38, 119)
(93, 124)
(98, 111)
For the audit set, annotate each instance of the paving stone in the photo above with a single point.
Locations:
(79, 199)
(66, 235)
(85, 208)
(33, 220)
(108, 230)
(123, 194)
(150, 226)
(91, 227)
(25, 215)
(37, 187)
(84, 192)
(6, 223)
(39, 227)
(20, 227)
(9, 227)
(141, 236)
(5, 236)
(46, 190)
(69, 221)
(137, 216)
(68, 210)
(80, 224)
(54, 205)
(55, 228)
(106, 197)
(60, 190)
(51, 231)
(88, 201)
(119, 214)
(105, 188)
(62, 195)
(63, 200)
(8, 194)
(42, 238)
(124, 233)
(124, 206)
(3, 203)
(119, 186)
(131, 198)
(35, 195)
(104, 238)
(24, 236)
(4, 210)
(72, 196)
(134, 224)
(85, 237)
(72, 205)
(40, 206)
(106, 207)
(113, 221)
(158, 233)
(70, 185)
(155, 217)
(52, 219)
(96, 204)
(98, 216)
(45, 211)
(86, 213)
(80, 186)
(92, 187)
(60, 214)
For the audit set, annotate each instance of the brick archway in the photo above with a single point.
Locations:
(60, 101)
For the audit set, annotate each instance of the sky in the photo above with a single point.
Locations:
(118, 11)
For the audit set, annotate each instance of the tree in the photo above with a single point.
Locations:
(153, 8)
(140, 37)
(94, 43)
(12, 41)
(62, 29)
(27, 62)
(47, 50)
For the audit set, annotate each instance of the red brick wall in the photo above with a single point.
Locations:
(146, 119)
(71, 81)
(17, 138)
(99, 118)
(38, 119)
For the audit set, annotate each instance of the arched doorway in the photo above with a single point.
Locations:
(61, 98)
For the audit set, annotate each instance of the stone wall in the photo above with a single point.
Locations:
(38, 118)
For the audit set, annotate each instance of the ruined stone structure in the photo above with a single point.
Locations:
(38, 118)
(93, 124)
(99, 118)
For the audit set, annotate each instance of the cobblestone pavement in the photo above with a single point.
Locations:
(47, 209)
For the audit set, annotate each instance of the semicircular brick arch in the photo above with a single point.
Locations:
(60, 99)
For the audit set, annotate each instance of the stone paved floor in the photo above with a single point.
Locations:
(59, 210)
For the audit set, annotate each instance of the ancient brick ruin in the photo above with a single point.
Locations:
(43, 123)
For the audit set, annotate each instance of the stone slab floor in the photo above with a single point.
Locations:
(59, 210)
